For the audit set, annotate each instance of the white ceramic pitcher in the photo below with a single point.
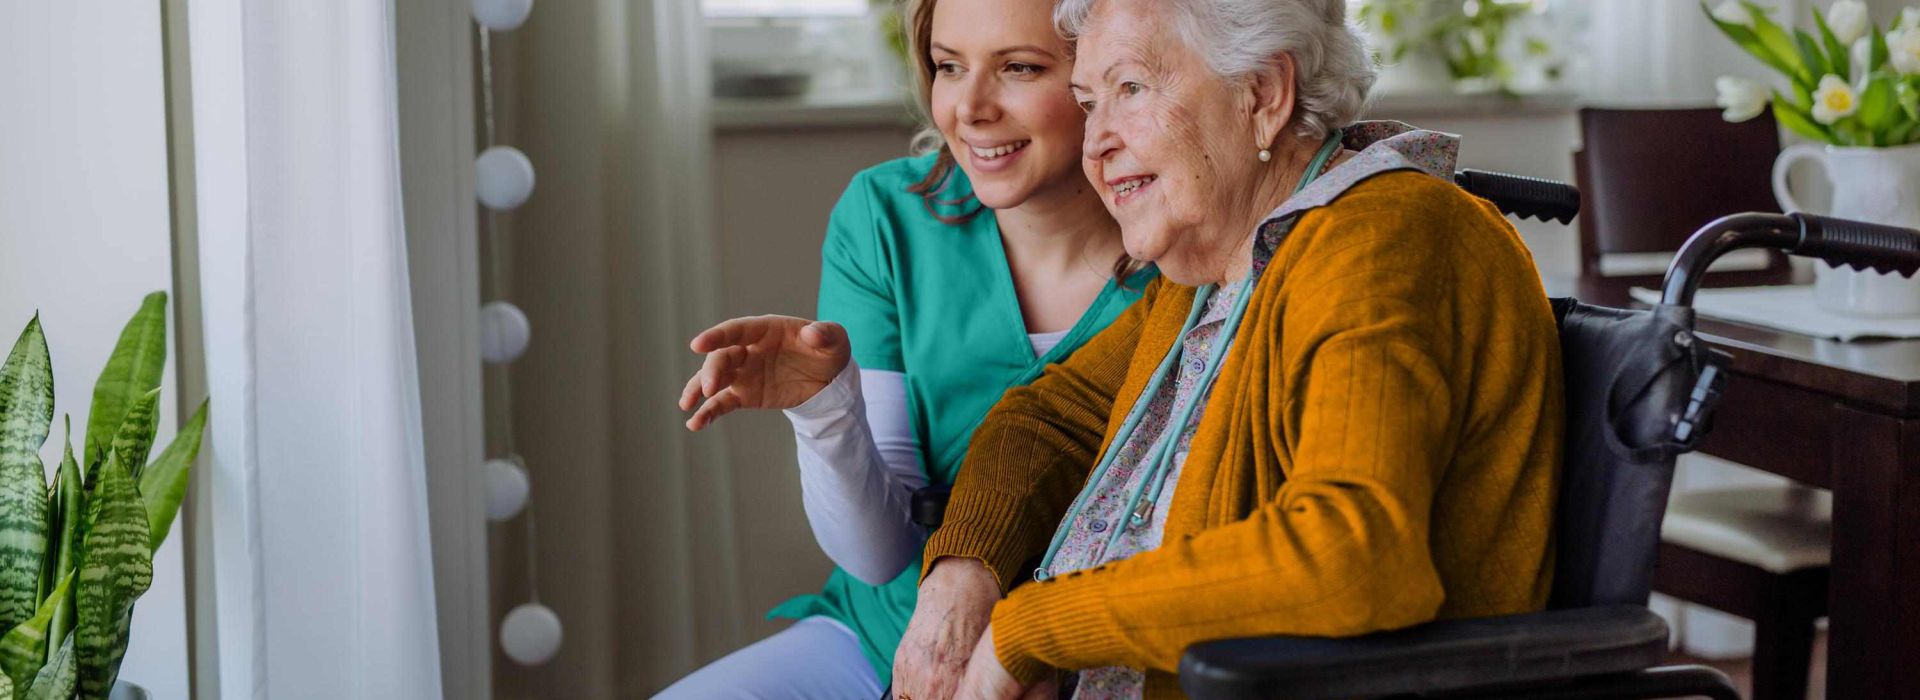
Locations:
(1875, 185)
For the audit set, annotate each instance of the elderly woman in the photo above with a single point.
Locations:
(1338, 412)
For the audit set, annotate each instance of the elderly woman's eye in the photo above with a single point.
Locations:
(1086, 106)
(1131, 88)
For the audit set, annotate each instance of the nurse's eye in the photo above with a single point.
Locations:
(1024, 69)
(947, 69)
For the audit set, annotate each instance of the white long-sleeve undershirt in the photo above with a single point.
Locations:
(859, 465)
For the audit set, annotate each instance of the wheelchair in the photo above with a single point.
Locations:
(1640, 391)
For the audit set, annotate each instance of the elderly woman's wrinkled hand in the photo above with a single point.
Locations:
(956, 601)
(986, 679)
(762, 362)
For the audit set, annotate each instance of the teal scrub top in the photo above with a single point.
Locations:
(936, 302)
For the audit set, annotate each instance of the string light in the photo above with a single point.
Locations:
(531, 633)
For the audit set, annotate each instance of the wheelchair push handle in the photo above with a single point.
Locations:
(1858, 244)
(1855, 244)
(1517, 195)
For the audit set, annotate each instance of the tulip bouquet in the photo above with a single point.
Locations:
(1851, 84)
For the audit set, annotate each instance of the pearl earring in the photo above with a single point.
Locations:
(1265, 155)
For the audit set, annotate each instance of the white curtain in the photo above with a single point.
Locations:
(1665, 53)
(320, 553)
(613, 259)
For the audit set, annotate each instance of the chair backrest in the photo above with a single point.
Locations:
(1649, 178)
(1629, 376)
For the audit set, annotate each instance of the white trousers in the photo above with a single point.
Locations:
(816, 659)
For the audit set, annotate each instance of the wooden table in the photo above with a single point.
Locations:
(1843, 416)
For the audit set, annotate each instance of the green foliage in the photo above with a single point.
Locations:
(1887, 102)
(26, 415)
(75, 556)
(1471, 37)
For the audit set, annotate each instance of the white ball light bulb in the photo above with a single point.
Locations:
(501, 15)
(530, 634)
(503, 177)
(507, 488)
(504, 332)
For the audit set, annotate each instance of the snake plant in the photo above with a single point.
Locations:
(76, 553)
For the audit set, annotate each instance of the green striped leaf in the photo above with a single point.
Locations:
(116, 566)
(64, 528)
(57, 680)
(164, 484)
(135, 440)
(24, 648)
(26, 414)
(132, 371)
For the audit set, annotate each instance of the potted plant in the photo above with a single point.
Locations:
(1480, 43)
(1854, 91)
(75, 554)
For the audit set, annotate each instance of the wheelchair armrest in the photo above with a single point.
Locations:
(1434, 657)
(930, 505)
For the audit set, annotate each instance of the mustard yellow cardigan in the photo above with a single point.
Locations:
(1381, 449)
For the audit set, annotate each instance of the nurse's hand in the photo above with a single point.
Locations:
(763, 362)
(955, 603)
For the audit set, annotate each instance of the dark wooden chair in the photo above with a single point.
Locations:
(1651, 177)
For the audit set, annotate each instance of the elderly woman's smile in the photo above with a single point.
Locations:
(1174, 145)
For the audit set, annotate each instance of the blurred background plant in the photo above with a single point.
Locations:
(1504, 46)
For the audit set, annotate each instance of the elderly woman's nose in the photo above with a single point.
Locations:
(1101, 140)
(979, 99)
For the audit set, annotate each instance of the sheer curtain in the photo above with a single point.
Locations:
(613, 261)
(1664, 53)
(320, 556)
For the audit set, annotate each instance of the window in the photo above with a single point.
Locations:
(784, 8)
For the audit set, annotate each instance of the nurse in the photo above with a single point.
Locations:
(946, 279)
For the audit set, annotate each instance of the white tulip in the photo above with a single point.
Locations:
(1862, 55)
(1848, 20)
(1732, 12)
(1909, 18)
(1903, 51)
(1743, 99)
(1834, 101)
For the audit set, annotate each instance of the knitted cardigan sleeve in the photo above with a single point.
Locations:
(1033, 451)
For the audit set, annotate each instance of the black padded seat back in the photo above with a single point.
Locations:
(1629, 375)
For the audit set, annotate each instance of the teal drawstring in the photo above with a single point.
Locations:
(1140, 503)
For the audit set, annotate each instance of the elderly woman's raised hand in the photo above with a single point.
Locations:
(762, 362)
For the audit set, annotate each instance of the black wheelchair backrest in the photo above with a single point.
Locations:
(1630, 379)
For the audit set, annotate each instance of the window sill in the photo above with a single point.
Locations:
(889, 109)
(812, 111)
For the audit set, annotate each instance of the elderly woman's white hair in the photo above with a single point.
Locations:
(1333, 73)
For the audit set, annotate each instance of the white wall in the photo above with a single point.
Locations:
(84, 233)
